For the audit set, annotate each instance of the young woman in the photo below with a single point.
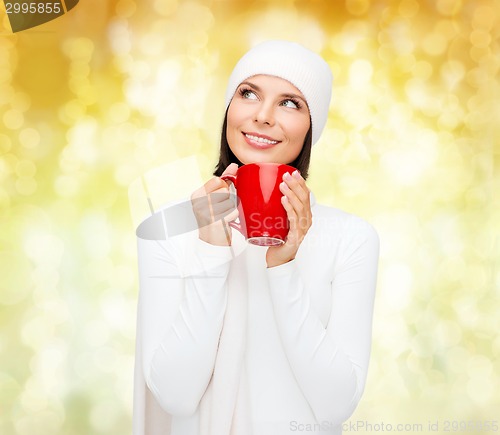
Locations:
(236, 339)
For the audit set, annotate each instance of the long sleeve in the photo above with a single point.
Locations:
(181, 310)
(329, 363)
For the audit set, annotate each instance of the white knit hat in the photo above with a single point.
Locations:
(306, 70)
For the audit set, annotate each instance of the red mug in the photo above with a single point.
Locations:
(263, 219)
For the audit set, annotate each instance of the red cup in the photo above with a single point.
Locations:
(263, 219)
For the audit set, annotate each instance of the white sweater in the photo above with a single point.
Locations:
(308, 328)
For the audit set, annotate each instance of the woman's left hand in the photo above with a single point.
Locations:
(296, 201)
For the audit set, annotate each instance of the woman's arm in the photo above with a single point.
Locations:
(180, 320)
(330, 364)
(183, 300)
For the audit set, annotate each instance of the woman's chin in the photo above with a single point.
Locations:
(258, 158)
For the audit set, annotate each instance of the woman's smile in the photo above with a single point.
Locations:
(260, 141)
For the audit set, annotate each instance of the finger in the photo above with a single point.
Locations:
(231, 169)
(217, 196)
(292, 236)
(291, 215)
(299, 224)
(297, 203)
(220, 195)
(201, 199)
(214, 184)
(222, 201)
(209, 211)
(298, 185)
(211, 185)
(206, 202)
(233, 215)
(299, 192)
(222, 208)
(302, 182)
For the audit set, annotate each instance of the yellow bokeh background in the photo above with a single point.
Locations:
(92, 101)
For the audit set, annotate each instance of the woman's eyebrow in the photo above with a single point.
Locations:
(251, 85)
(287, 95)
(293, 96)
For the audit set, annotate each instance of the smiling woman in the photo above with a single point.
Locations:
(267, 121)
(264, 336)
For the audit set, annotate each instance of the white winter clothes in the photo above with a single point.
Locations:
(227, 346)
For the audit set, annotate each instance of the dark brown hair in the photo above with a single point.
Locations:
(226, 156)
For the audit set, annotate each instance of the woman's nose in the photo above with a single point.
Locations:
(265, 114)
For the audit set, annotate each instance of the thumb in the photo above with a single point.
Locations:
(231, 169)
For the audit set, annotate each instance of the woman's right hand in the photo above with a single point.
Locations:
(214, 208)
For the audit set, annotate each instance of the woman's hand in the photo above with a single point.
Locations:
(296, 201)
(214, 208)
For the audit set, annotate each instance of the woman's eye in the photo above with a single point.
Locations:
(291, 103)
(249, 95)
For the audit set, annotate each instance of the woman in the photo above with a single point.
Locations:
(239, 339)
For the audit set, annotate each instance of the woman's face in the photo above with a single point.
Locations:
(267, 121)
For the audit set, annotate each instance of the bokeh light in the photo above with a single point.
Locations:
(120, 91)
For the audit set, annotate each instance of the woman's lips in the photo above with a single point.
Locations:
(259, 140)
